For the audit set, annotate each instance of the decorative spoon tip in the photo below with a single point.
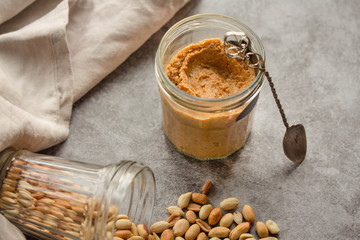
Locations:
(294, 143)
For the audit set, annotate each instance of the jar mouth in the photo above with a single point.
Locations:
(127, 188)
(207, 104)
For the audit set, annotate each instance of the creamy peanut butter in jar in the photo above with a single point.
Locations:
(207, 97)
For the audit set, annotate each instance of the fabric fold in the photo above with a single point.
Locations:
(102, 35)
(10, 8)
(35, 79)
(53, 52)
(9, 231)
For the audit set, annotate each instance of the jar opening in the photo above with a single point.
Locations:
(195, 29)
(127, 189)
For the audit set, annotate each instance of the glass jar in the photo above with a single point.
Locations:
(205, 128)
(55, 198)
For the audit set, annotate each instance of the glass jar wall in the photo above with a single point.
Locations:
(205, 128)
(55, 198)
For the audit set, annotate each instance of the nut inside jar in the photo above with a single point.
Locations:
(54, 198)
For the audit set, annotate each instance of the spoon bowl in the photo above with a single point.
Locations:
(294, 143)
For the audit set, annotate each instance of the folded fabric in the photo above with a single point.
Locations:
(10, 8)
(9, 231)
(54, 52)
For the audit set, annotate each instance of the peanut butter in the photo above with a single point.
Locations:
(203, 70)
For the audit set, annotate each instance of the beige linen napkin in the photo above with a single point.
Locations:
(53, 52)
(9, 231)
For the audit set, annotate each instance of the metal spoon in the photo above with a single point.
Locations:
(237, 45)
(294, 142)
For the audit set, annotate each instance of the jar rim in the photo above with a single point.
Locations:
(166, 84)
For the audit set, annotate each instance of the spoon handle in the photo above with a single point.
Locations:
(276, 99)
(237, 45)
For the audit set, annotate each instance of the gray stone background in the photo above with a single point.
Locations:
(313, 53)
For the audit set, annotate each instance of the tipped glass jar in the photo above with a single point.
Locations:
(205, 128)
(54, 198)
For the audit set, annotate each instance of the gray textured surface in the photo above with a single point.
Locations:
(313, 53)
